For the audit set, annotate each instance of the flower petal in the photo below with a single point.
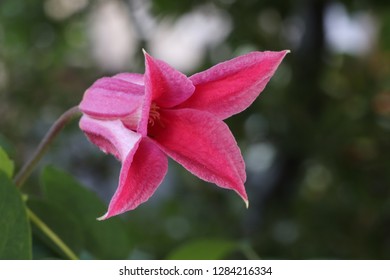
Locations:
(169, 86)
(111, 98)
(140, 176)
(230, 87)
(165, 86)
(204, 145)
(134, 78)
(110, 136)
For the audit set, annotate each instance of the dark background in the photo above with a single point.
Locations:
(316, 142)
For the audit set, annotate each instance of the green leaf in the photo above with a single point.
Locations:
(204, 249)
(60, 222)
(15, 233)
(105, 239)
(6, 165)
(7, 146)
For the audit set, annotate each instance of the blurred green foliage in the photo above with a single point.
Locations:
(323, 123)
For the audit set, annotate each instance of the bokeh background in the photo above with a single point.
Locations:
(316, 142)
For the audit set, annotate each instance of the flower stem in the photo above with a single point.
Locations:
(249, 253)
(26, 170)
(49, 233)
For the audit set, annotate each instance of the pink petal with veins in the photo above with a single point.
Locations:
(111, 98)
(134, 78)
(140, 176)
(169, 86)
(164, 86)
(230, 87)
(204, 145)
(110, 136)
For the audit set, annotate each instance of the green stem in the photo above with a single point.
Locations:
(29, 166)
(26, 170)
(49, 233)
(249, 253)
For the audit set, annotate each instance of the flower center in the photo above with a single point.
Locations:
(154, 114)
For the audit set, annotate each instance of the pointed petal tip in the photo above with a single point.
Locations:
(146, 54)
(280, 54)
(148, 57)
(244, 197)
(102, 218)
(149, 60)
(283, 53)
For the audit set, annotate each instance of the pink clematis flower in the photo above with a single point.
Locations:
(142, 119)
